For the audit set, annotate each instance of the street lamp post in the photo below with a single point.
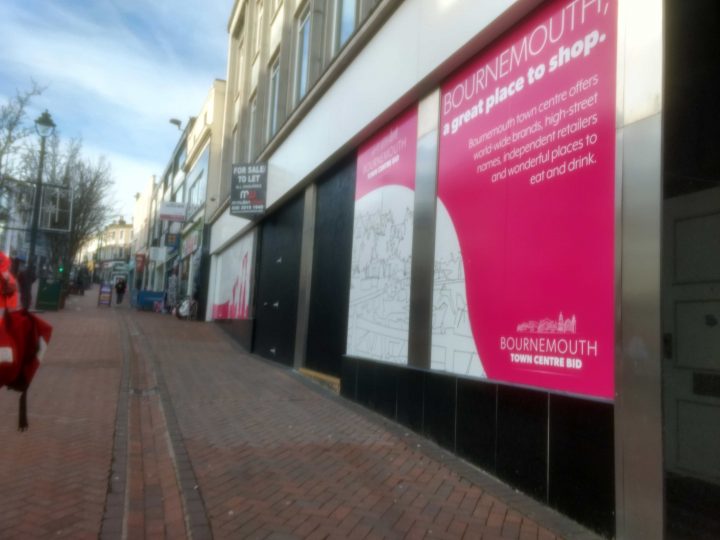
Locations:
(44, 126)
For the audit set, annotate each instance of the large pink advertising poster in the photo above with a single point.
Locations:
(233, 281)
(526, 210)
(379, 311)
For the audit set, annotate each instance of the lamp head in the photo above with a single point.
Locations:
(176, 122)
(44, 124)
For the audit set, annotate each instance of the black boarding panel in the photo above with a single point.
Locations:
(330, 291)
(439, 409)
(522, 439)
(240, 330)
(366, 384)
(582, 457)
(477, 423)
(410, 392)
(385, 389)
(348, 378)
(278, 282)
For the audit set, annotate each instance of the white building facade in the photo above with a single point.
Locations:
(466, 203)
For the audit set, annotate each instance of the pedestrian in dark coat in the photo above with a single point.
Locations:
(120, 287)
(26, 278)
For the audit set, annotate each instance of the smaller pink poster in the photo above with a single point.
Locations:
(379, 311)
(525, 268)
(388, 158)
(233, 286)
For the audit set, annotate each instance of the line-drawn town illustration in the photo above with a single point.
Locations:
(379, 314)
(548, 326)
(453, 344)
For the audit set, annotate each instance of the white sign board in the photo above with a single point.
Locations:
(172, 211)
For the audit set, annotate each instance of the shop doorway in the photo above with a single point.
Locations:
(278, 274)
(691, 271)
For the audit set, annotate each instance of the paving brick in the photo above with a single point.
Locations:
(173, 415)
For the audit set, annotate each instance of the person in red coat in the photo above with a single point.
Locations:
(8, 284)
(23, 340)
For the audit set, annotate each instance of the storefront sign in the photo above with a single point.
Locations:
(157, 254)
(248, 189)
(524, 271)
(172, 240)
(172, 211)
(379, 312)
(139, 262)
(190, 243)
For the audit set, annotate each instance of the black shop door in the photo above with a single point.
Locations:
(330, 291)
(277, 284)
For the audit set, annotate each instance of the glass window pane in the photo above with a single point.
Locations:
(251, 127)
(346, 19)
(274, 97)
(303, 56)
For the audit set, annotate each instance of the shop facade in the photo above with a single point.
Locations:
(509, 245)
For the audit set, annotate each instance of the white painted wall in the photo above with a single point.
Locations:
(417, 40)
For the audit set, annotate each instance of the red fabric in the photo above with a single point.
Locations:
(8, 285)
(9, 359)
(4, 262)
(21, 332)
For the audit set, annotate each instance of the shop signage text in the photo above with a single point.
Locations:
(526, 189)
(248, 189)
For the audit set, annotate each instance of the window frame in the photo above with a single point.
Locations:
(273, 97)
(252, 121)
(339, 11)
(259, 7)
(302, 54)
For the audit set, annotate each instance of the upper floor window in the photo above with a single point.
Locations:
(302, 59)
(198, 182)
(240, 66)
(345, 21)
(258, 27)
(274, 97)
(275, 4)
(252, 108)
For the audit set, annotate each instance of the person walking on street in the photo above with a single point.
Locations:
(172, 302)
(26, 278)
(119, 290)
(8, 285)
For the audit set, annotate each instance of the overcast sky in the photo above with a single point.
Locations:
(116, 71)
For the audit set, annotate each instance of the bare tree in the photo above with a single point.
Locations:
(14, 128)
(90, 184)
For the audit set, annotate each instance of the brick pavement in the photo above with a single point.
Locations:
(54, 477)
(277, 457)
(144, 426)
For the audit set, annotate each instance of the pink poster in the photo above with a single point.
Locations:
(524, 281)
(233, 281)
(379, 311)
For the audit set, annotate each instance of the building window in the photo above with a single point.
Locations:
(240, 66)
(251, 127)
(274, 97)
(258, 27)
(302, 60)
(235, 145)
(198, 178)
(345, 21)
